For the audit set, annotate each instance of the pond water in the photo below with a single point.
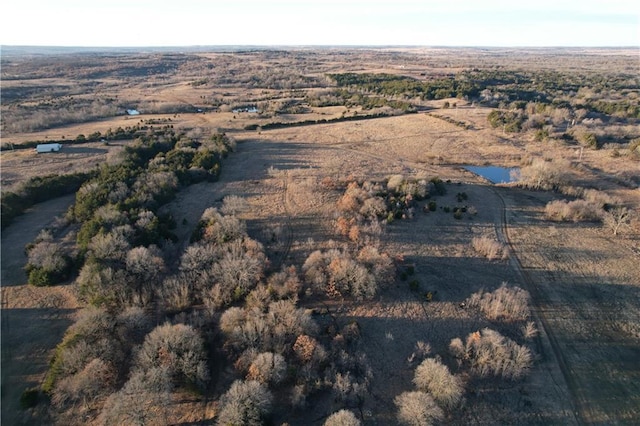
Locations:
(495, 174)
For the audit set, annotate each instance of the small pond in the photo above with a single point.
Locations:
(495, 174)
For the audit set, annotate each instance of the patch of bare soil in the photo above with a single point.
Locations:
(33, 319)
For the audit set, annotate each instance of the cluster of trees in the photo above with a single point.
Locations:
(43, 188)
(114, 366)
(484, 355)
(586, 205)
(366, 202)
(37, 190)
(220, 267)
(122, 370)
(437, 390)
(488, 353)
(407, 87)
(117, 210)
(538, 100)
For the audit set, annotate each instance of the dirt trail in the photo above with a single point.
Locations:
(585, 292)
(33, 319)
(549, 340)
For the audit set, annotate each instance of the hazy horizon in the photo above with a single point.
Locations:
(330, 23)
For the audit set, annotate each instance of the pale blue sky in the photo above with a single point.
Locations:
(320, 22)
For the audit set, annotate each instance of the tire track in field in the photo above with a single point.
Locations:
(577, 399)
(288, 228)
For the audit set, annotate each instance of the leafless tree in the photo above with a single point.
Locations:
(490, 248)
(176, 293)
(234, 204)
(48, 255)
(576, 211)
(417, 409)
(348, 389)
(435, 378)
(110, 246)
(97, 379)
(179, 350)
(542, 174)
(268, 368)
(220, 228)
(508, 303)
(617, 219)
(342, 418)
(489, 353)
(245, 403)
(142, 401)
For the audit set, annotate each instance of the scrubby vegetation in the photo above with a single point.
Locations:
(489, 353)
(490, 248)
(573, 211)
(504, 303)
(48, 262)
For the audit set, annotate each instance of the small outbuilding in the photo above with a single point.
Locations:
(48, 147)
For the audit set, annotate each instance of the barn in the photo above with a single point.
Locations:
(48, 147)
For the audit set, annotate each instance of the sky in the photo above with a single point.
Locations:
(320, 22)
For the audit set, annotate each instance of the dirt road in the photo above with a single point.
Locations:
(585, 287)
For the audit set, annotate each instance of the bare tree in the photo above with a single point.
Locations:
(233, 204)
(47, 255)
(142, 401)
(238, 270)
(268, 368)
(110, 246)
(342, 418)
(542, 174)
(96, 380)
(617, 219)
(434, 377)
(245, 403)
(508, 303)
(490, 248)
(417, 409)
(177, 348)
(489, 353)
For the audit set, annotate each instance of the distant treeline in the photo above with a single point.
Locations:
(394, 85)
(129, 132)
(281, 125)
(544, 87)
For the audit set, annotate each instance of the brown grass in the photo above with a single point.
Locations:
(570, 264)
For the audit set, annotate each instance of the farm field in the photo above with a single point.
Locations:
(293, 179)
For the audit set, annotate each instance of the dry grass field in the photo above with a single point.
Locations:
(583, 281)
